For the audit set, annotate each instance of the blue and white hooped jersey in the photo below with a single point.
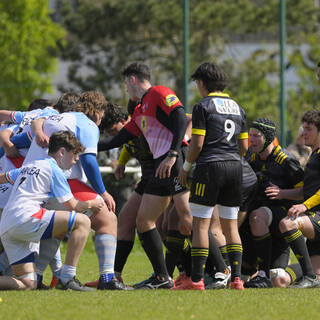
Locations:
(24, 118)
(33, 185)
(81, 126)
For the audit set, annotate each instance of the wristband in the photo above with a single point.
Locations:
(171, 154)
(187, 166)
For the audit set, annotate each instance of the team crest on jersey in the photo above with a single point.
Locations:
(171, 100)
(145, 107)
(144, 123)
(226, 106)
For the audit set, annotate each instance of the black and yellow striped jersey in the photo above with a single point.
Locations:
(280, 168)
(220, 119)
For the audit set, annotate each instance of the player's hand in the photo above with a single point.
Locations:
(97, 204)
(42, 139)
(296, 210)
(273, 192)
(11, 151)
(185, 224)
(183, 178)
(164, 169)
(119, 171)
(108, 199)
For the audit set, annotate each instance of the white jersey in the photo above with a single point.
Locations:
(24, 118)
(34, 185)
(86, 131)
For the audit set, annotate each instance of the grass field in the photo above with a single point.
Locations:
(274, 304)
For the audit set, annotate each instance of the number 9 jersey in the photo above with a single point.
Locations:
(222, 122)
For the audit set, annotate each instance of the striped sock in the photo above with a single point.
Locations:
(105, 245)
(199, 257)
(235, 258)
(298, 245)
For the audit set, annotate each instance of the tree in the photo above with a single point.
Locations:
(104, 35)
(28, 50)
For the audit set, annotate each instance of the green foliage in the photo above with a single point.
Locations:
(28, 45)
(105, 35)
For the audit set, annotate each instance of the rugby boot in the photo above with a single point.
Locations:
(220, 281)
(237, 284)
(180, 279)
(306, 282)
(143, 282)
(73, 284)
(114, 284)
(188, 284)
(157, 283)
(258, 282)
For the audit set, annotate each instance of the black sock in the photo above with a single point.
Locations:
(298, 245)
(186, 257)
(175, 243)
(215, 257)
(224, 253)
(124, 248)
(263, 247)
(235, 258)
(199, 258)
(152, 245)
(294, 271)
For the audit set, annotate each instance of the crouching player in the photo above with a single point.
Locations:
(24, 222)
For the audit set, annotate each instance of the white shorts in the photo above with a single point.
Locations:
(80, 190)
(200, 211)
(21, 240)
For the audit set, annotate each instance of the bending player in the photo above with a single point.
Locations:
(24, 222)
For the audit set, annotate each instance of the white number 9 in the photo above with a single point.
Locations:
(230, 128)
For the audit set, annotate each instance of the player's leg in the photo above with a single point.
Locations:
(152, 206)
(291, 232)
(126, 232)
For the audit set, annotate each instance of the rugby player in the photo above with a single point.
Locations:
(217, 122)
(24, 222)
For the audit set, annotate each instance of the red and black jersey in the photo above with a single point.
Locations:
(151, 118)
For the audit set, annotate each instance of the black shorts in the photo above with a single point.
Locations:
(315, 220)
(168, 186)
(278, 213)
(248, 196)
(313, 247)
(218, 182)
(141, 186)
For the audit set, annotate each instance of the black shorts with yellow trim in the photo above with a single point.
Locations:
(218, 182)
(167, 186)
(315, 220)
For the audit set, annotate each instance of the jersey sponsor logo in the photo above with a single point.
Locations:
(3, 188)
(30, 171)
(56, 118)
(226, 106)
(143, 123)
(171, 100)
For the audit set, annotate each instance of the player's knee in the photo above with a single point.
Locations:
(281, 282)
(257, 218)
(286, 225)
(83, 222)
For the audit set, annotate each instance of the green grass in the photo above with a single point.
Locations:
(274, 304)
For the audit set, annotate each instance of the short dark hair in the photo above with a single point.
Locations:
(39, 104)
(112, 115)
(312, 116)
(66, 100)
(212, 76)
(137, 69)
(64, 139)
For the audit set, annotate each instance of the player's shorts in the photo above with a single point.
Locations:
(248, 196)
(167, 186)
(313, 247)
(80, 190)
(141, 186)
(217, 182)
(24, 239)
(315, 220)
